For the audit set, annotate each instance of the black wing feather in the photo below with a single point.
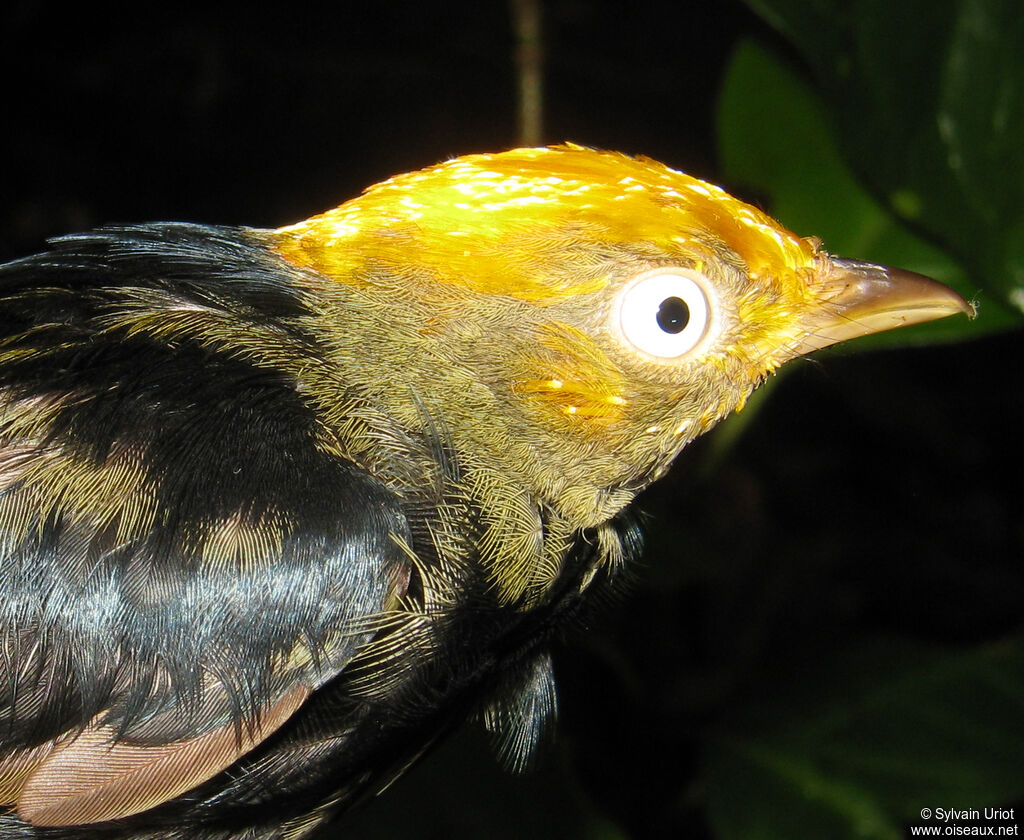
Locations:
(127, 620)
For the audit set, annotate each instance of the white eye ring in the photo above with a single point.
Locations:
(665, 312)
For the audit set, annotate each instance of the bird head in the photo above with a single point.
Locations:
(579, 315)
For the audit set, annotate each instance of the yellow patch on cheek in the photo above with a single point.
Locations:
(581, 384)
(576, 399)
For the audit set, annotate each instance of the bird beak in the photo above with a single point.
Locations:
(860, 298)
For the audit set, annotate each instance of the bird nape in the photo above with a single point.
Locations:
(280, 508)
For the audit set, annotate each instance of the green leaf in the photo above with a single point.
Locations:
(856, 747)
(928, 100)
(774, 138)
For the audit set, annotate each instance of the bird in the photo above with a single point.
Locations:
(280, 509)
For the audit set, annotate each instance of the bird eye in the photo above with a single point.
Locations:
(666, 312)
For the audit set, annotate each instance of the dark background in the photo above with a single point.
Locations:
(873, 498)
(230, 115)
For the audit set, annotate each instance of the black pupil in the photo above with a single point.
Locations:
(673, 315)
